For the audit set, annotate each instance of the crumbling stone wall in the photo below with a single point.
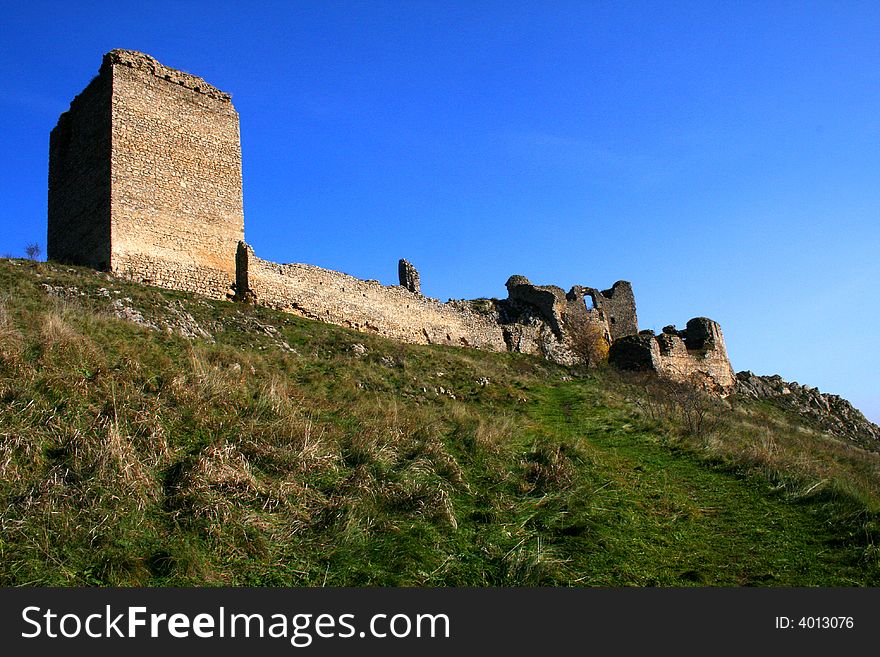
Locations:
(390, 311)
(697, 353)
(617, 307)
(533, 319)
(548, 300)
(163, 199)
(581, 313)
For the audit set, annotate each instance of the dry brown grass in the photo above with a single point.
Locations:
(219, 494)
(494, 433)
(548, 469)
(15, 449)
(119, 465)
(206, 379)
(57, 329)
(11, 342)
(812, 461)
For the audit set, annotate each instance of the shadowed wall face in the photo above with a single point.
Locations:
(79, 180)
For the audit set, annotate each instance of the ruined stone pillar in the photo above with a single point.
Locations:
(409, 276)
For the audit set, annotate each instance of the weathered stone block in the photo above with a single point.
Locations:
(635, 352)
(408, 276)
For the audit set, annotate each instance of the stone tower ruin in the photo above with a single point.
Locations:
(145, 178)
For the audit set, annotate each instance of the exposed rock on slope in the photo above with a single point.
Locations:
(830, 412)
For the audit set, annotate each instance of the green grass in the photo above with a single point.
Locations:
(274, 454)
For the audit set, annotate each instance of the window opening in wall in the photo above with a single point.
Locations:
(588, 302)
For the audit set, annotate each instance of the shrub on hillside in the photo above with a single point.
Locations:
(588, 341)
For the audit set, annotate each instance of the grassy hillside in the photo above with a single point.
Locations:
(154, 438)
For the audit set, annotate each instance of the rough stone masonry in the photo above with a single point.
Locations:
(145, 178)
(145, 182)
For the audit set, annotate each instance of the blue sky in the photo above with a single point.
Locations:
(724, 157)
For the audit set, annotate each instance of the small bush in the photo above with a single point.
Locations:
(588, 341)
(682, 404)
(33, 251)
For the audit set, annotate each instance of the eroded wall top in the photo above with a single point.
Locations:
(143, 62)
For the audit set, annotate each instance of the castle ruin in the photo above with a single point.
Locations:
(145, 182)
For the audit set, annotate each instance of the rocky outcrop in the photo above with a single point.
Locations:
(831, 413)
